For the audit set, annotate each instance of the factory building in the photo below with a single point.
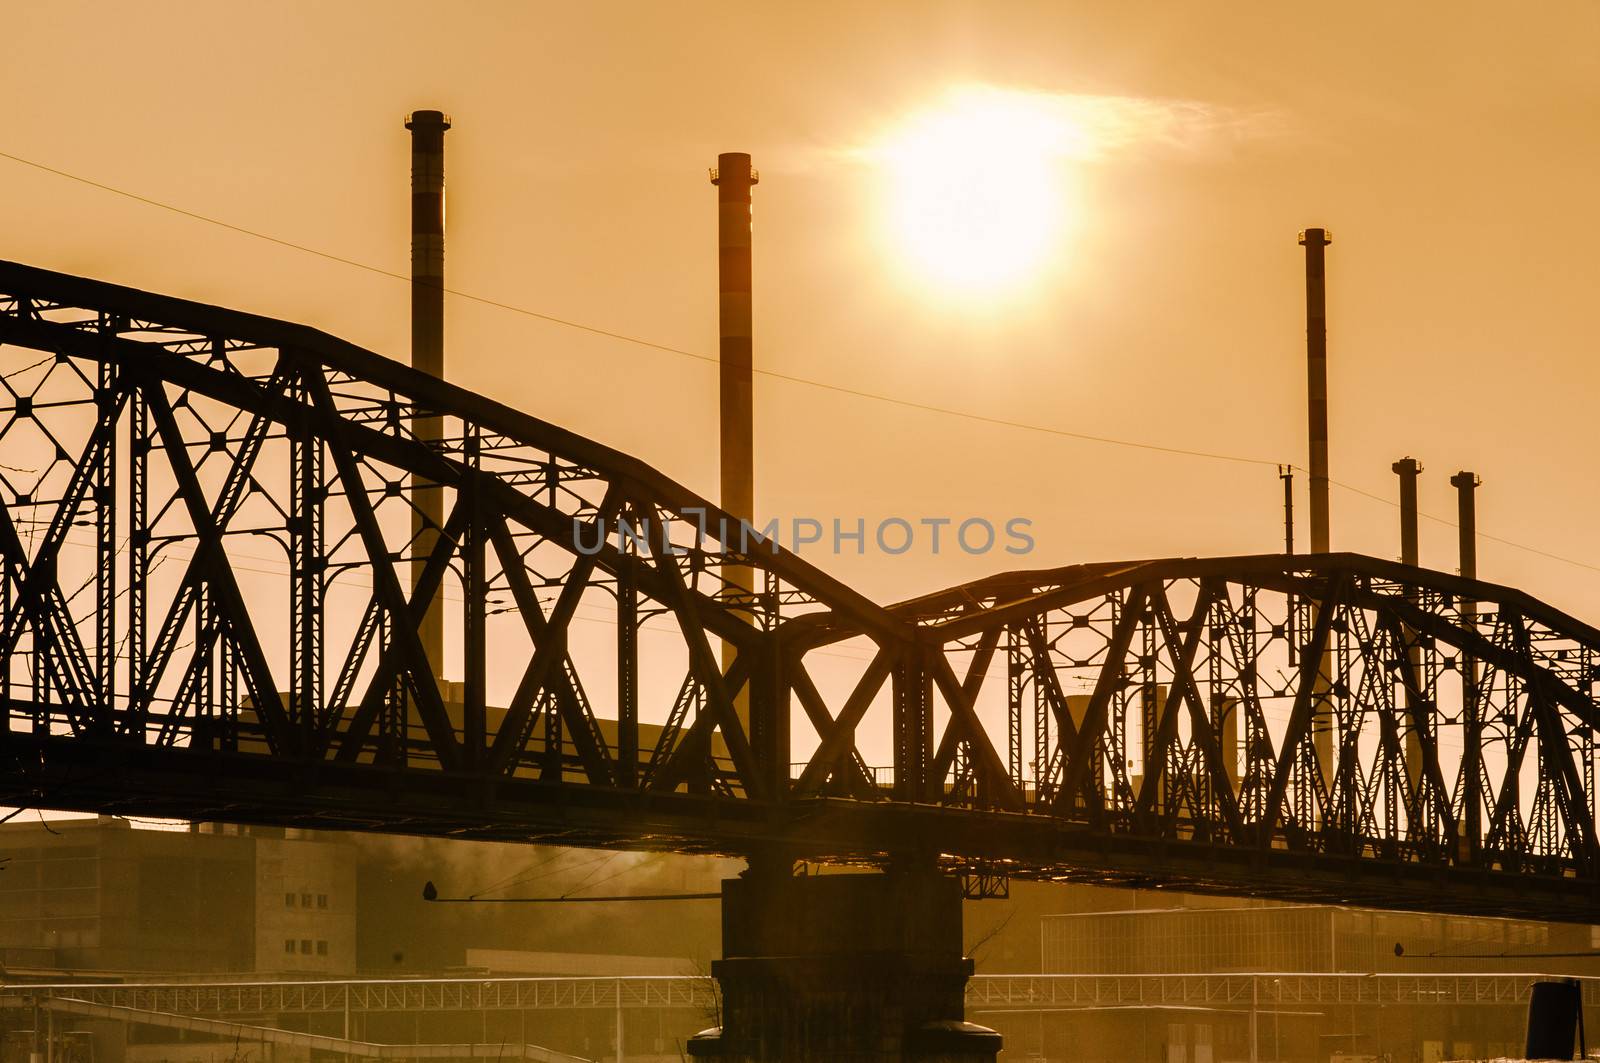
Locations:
(97, 896)
(1194, 980)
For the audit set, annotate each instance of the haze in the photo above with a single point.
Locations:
(1450, 151)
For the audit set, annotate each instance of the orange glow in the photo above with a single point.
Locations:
(977, 196)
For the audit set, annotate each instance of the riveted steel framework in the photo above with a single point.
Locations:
(209, 613)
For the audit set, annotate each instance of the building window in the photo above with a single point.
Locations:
(322, 948)
(305, 900)
(288, 900)
(322, 900)
(305, 946)
(288, 946)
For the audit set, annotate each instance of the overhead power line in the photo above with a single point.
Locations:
(1452, 524)
(627, 338)
(430, 893)
(771, 373)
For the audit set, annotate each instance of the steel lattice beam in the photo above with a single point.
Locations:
(1332, 728)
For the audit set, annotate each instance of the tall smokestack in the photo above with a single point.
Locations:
(1314, 241)
(427, 341)
(1407, 469)
(1466, 484)
(734, 177)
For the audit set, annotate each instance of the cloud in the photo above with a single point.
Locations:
(1072, 126)
(1115, 125)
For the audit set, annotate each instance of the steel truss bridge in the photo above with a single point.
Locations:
(212, 589)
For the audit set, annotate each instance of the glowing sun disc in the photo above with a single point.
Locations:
(976, 190)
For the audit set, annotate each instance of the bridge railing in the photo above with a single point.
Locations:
(1266, 991)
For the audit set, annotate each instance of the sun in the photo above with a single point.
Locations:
(976, 189)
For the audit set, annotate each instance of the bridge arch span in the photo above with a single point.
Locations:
(212, 584)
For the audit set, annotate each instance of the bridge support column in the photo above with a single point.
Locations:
(843, 968)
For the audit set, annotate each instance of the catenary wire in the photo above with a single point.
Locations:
(774, 374)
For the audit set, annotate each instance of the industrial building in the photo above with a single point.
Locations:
(107, 900)
(96, 896)
(1194, 980)
(296, 923)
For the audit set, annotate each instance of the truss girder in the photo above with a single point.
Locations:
(1331, 727)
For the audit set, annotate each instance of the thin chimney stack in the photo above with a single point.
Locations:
(427, 343)
(1315, 241)
(1466, 485)
(1408, 469)
(734, 177)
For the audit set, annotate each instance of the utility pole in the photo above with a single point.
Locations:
(1286, 474)
(619, 1021)
(1255, 1005)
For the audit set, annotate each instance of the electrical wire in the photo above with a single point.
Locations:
(430, 893)
(1453, 524)
(499, 882)
(618, 874)
(774, 374)
(521, 879)
(367, 266)
(632, 339)
(578, 900)
(1400, 953)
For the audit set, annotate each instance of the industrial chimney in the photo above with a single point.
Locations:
(1466, 485)
(734, 177)
(1407, 469)
(1314, 241)
(427, 343)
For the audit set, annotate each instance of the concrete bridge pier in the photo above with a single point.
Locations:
(843, 968)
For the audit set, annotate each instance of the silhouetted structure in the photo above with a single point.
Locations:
(221, 692)
(1204, 984)
(734, 177)
(1466, 485)
(1555, 1017)
(1286, 474)
(1177, 659)
(855, 968)
(427, 342)
(1315, 241)
(1408, 469)
(97, 898)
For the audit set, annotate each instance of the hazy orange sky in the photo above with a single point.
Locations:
(1450, 149)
